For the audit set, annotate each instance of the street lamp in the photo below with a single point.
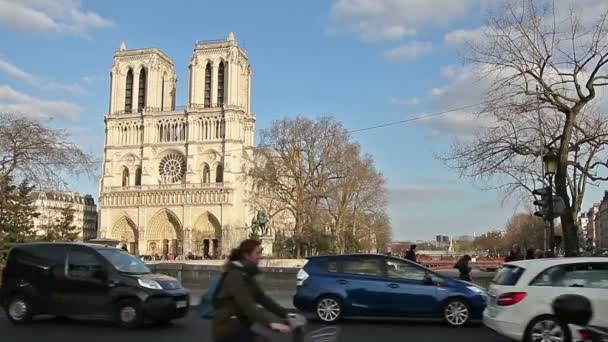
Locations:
(550, 160)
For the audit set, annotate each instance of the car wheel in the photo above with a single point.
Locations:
(19, 309)
(456, 313)
(129, 314)
(329, 309)
(546, 328)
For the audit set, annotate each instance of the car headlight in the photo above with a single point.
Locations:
(475, 289)
(149, 284)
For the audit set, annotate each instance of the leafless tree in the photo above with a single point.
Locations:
(41, 154)
(312, 170)
(546, 69)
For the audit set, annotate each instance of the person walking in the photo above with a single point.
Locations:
(238, 296)
(410, 254)
(514, 254)
(530, 254)
(464, 268)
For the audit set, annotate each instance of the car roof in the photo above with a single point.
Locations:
(64, 244)
(329, 256)
(555, 261)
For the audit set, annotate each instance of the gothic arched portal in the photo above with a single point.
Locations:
(206, 236)
(125, 231)
(164, 234)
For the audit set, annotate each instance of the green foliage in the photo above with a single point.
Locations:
(63, 228)
(16, 213)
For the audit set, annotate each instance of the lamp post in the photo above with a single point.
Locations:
(550, 162)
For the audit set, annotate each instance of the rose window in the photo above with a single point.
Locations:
(172, 168)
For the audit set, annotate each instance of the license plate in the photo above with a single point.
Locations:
(181, 304)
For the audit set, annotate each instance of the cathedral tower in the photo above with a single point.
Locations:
(173, 177)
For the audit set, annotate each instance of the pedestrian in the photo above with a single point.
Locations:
(463, 267)
(514, 254)
(124, 248)
(530, 254)
(238, 296)
(410, 254)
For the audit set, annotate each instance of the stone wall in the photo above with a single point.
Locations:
(272, 278)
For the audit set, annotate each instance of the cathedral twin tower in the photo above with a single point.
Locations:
(173, 178)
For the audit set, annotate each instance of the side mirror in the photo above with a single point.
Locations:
(573, 309)
(428, 280)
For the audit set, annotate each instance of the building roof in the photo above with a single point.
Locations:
(62, 196)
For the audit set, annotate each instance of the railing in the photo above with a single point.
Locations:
(448, 264)
(166, 187)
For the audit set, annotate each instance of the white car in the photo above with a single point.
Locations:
(521, 295)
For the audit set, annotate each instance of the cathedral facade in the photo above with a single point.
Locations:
(173, 178)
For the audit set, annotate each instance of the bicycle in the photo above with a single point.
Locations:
(298, 324)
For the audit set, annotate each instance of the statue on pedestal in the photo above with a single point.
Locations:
(260, 229)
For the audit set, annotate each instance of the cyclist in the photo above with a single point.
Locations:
(238, 296)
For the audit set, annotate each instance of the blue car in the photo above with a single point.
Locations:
(377, 285)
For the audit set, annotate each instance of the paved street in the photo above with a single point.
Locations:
(192, 328)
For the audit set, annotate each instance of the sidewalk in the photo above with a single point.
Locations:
(282, 297)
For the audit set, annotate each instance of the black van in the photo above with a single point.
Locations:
(67, 279)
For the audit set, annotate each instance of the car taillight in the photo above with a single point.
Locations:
(510, 298)
(585, 335)
(301, 277)
(4, 277)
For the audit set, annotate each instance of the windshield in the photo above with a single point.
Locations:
(124, 262)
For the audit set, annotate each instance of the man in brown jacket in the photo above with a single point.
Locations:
(238, 298)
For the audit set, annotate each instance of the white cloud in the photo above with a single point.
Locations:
(463, 36)
(412, 49)
(408, 101)
(13, 101)
(395, 19)
(449, 71)
(458, 124)
(49, 16)
(13, 70)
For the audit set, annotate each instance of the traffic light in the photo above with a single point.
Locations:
(548, 211)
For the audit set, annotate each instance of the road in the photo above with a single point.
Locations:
(193, 329)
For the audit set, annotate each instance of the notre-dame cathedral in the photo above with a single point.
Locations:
(173, 178)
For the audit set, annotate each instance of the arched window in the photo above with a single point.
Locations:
(206, 174)
(208, 85)
(141, 98)
(220, 84)
(129, 92)
(125, 177)
(219, 174)
(138, 176)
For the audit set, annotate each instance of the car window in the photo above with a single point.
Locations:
(83, 265)
(403, 270)
(589, 275)
(53, 255)
(508, 275)
(362, 266)
(332, 266)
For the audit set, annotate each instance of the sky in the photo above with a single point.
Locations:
(364, 62)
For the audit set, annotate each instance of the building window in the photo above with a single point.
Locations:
(206, 174)
(220, 84)
(208, 85)
(125, 177)
(129, 92)
(141, 99)
(162, 93)
(138, 176)
(219, 174)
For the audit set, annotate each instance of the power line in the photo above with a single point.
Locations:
(369, 128)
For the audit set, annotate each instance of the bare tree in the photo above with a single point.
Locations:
(545, 69)
(43, 155)
(312, 170)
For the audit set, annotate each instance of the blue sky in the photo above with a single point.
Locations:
(365, 62)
